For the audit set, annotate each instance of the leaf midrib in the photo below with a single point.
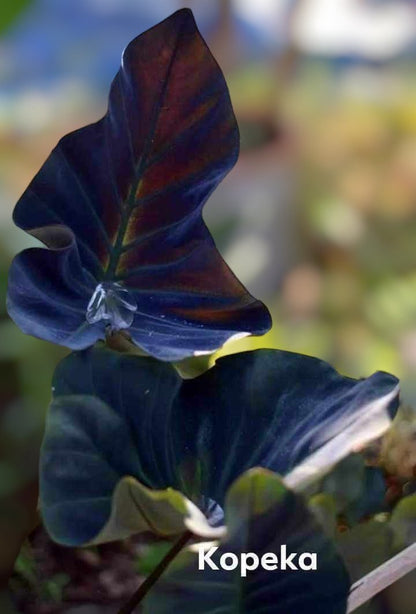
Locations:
(131, 202)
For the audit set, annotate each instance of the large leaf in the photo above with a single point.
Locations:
(118, 203)
(97, 500)
(262, 516)
(136, 417)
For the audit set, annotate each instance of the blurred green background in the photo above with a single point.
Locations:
(318, 218)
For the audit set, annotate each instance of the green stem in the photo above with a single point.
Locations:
(144, 588)
(120, 341)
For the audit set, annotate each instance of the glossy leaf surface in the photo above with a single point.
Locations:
(261, 517)
(118, 205)
(136, 417)
(96, 496)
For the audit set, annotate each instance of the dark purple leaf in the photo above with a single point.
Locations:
(118, 205)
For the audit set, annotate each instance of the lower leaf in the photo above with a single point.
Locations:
(264, 519)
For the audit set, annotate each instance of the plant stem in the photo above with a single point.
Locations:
(144, 588)
(120, 341)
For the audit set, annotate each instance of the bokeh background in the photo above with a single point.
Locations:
(318, 218)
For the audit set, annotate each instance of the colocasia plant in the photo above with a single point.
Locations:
(131, 281)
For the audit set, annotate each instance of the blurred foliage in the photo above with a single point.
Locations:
(403, 522)
(151, 556)
(365, 547)
(47, 589)
(349, 295)
(398, 452)
(10, 11)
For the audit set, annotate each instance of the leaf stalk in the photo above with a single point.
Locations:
(144, 588)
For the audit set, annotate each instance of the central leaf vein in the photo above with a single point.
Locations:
(132, 201)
